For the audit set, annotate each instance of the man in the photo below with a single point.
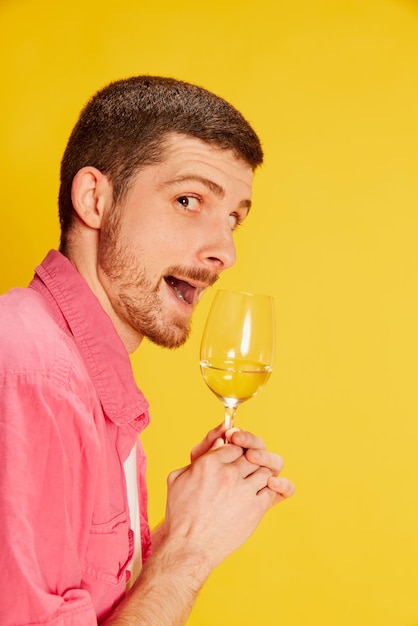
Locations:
(156, 176)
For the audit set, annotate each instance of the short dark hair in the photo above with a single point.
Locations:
(123, 127)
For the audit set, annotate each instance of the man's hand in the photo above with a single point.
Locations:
(255, 452)
(216, 502)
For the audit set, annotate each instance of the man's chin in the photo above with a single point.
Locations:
(171, 338)
(170, 344)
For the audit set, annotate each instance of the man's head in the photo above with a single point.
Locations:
(124, 126)
(156, 176)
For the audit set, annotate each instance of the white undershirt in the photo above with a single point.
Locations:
(132, 489)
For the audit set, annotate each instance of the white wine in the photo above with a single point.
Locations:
(234, 380)
(237, 348)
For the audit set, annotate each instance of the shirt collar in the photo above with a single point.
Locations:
(97, 340)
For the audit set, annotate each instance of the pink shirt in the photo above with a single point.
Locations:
(70, 412)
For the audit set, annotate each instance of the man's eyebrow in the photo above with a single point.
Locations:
(214, 187)
(210, 184)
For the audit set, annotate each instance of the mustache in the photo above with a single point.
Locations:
(198, 274)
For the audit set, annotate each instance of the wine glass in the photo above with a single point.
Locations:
(237, 349)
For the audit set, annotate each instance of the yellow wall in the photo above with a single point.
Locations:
(332, 88)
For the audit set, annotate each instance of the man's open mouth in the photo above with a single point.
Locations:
(184, 291)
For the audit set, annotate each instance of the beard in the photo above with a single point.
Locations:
(136, 298)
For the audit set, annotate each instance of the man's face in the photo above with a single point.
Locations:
(171, 236)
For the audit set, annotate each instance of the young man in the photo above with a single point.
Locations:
(156, 176)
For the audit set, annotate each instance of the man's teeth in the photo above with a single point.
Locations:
(178, 294)
(177, 291)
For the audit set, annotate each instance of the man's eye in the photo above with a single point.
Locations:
(234, 220)
(190, 203)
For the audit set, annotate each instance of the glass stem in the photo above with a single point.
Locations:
(229, 417)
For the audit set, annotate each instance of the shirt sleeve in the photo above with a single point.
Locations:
(40, 544)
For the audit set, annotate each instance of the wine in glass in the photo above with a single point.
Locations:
(237, 348)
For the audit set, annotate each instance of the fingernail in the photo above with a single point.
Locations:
(230, 432)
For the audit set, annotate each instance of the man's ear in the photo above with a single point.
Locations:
(92, 196)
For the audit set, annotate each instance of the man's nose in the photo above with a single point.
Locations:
(219, 251)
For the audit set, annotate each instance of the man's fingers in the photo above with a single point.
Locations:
(218, 443)
(266, 459)
(255, 448)
(230, 432)
(245, 439)
(227, 453)
(282, 486)
(207, 443)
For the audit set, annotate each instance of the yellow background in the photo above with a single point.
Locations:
(332, 88)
